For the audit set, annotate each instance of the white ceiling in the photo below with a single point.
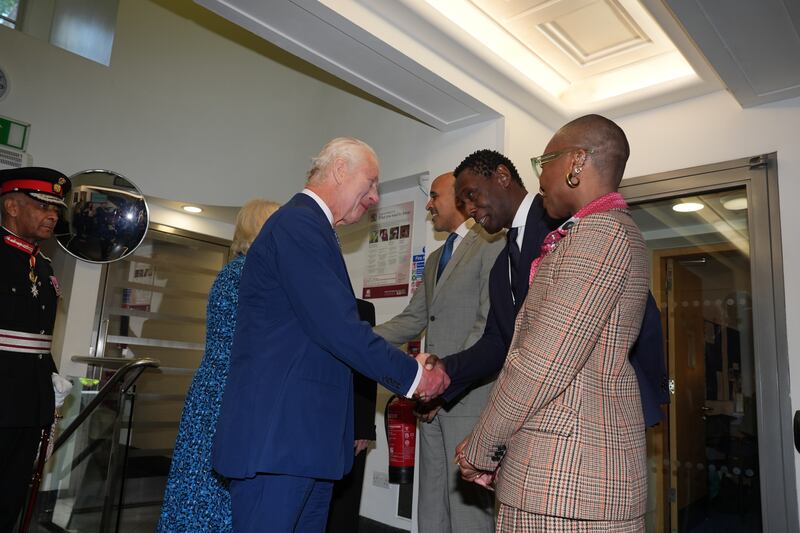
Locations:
(753, 45)
(584, 54)
(321, 36)
(555, 59)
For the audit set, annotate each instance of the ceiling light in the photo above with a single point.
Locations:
(687, 207)
(736, 203)
(192, 209)
(666, 68)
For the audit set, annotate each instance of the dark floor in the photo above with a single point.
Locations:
(365, 525)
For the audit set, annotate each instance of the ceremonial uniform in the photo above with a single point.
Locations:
(28, 296)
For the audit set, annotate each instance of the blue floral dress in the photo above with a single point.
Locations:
(196, 497)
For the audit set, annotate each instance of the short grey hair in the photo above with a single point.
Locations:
(348, 148)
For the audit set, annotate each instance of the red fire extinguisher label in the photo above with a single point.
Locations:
(402, 433)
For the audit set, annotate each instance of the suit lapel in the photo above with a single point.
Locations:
(306, 201)
(458, 255)
(430, 274)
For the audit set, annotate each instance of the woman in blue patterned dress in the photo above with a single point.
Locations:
(196, 498)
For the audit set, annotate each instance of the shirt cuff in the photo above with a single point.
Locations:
(417, 379)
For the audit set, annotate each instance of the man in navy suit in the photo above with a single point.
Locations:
(489, 185)
(285, 429)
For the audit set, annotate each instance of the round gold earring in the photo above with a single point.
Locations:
(572, 179)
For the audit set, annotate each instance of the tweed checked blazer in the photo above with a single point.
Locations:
(451, 311)
(565, 415)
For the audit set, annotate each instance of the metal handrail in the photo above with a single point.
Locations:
(136, 364)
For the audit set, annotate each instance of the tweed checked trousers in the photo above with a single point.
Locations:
(513, 520)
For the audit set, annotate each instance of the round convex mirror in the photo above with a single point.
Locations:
(106, 217)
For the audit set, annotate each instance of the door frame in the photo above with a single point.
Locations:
(773, 402)
(97, 346)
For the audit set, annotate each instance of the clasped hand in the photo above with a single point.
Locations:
(434, 379)
(470, 473)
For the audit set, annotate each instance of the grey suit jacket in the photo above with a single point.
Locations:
(452, 311)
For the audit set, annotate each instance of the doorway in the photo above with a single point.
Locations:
(716, 462)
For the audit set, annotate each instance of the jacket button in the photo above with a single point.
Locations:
(40, 357)
(433, 318)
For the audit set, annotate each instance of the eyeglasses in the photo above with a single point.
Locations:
(539, 162)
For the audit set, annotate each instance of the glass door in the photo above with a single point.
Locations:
(154, 305)
(715, 463)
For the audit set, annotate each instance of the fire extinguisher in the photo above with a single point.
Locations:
(401, 434)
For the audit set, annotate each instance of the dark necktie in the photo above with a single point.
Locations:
(446, 253)
(513, 259)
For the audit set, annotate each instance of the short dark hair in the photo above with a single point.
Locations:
(485, 162)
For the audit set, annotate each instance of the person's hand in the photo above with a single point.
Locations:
(426, 411)
(360, 445)
(469, 472)
(430, 361)
(61, 389)
(432, 383)
(486, 479)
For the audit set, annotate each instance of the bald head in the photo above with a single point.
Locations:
(611, 149)
(447, 179)
(446, 214)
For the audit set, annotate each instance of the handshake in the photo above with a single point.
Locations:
(434, 380)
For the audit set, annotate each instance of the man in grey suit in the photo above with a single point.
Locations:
(451, 306)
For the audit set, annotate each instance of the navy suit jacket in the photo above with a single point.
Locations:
(288, 402)
(486, 357)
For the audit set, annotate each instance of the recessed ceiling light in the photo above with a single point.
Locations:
(736, 203)
(192, 209)
(687, 207)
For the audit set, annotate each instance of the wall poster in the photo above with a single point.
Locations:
(389, 251)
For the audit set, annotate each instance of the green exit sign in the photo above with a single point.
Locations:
(13, 133)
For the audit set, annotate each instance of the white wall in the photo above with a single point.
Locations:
(190, 109)
(712, 129)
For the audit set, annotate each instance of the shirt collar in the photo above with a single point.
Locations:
(463, 229)
(521, 216)
(320, 202)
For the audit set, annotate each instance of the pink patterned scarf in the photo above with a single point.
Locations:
(612, 200)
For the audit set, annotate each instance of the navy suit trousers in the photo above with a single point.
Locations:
(280, 504)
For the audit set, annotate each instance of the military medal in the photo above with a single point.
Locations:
(20, 244)
(32, 275)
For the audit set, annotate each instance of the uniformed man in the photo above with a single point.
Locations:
(30, 201)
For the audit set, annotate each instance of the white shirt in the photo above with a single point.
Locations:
(325, 209)
(521, 217)
(461, 232)
(321, 203)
